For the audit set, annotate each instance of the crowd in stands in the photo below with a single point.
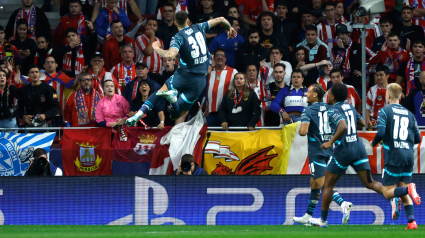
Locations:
(98, 66)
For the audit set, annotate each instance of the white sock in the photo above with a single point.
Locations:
(139, 113)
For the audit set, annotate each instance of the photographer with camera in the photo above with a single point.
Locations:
(40, 165)
(189, 167)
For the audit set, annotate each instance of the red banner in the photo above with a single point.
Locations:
(139, 146)
(87, 152)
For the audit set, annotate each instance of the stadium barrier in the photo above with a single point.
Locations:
(184, 200)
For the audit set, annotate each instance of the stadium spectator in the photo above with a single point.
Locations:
(81, 106)
(327, 27)
(317, 50)
(73, 57)
(352, 97)
(144, 50)
(207, 13)
(386, 25)
(108, 14)
(98, 73)
(347, 56)
(52, 170)
(38, 101)
(7, 98)
(268, 39)
(125, 71)
(274, 87)
(275, 58)
(121, 4)
(257, 81)
(290, 102)
(37, 21)
(324, 78)
(339, 13)
(317, 11)
(169, 67)
(194, 168)
(356, 35)
(414, 102)
(252, 9)
(112, 49)
(131, 88)
(285, 29)
(407, 30)
(177, 6)
(234, 12)
(155, 117)
(376, 96)
(240, 105)
(219, 82)
(230, 45)
(390, 55)
(251, 52)
(4, 65)
(75, 19)
(300, 57)
(418, 11)
(166, 26)
(408, 72)
(43, 51)
(25, 44)
(9, 52)
(112, 109)
(306, 20)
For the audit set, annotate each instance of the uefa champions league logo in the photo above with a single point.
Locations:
(13, 160)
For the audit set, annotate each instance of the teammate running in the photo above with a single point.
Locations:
(314, 124)
(398, 130)
(184, 87)
(348, 150)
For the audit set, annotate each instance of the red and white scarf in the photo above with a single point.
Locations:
(392, 60)
(79, 62)
(340, 57)
(410, 74)
(97, 86)
(81, 107)
(30, 17)
(112, 16)
(322, 81)
(125, 75)
(37, 56)
(264, 91)
(81, 24)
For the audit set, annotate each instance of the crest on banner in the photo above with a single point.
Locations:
(87, 161)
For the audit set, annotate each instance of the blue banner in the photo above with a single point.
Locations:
(183, 200)
(16, 150)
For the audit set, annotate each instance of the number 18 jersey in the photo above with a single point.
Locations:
(194, 55)
(319, 130)
(400, 129)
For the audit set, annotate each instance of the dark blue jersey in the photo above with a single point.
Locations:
(319, 130)
(400, 129)
(349, 143)
(191, 43)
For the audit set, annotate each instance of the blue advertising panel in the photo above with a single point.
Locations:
(183, 200)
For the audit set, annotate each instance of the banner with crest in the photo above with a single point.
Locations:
(16, 150)
(139, 144)
(87, 152)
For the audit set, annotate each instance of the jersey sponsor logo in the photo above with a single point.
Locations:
(87, 161)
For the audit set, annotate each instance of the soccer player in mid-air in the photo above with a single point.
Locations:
(314, 124)
(398, 130)
(184, 87)
(348, 150)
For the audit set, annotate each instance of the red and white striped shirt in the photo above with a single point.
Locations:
(121, 4)
(154, 61)
(326, 34)
(375, 100)
(352, 98)
(343, 20)
(218, 85)
(178, 9)
(124, 74)
(371, 34)
(420, 4)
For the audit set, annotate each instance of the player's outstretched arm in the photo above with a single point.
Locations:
(171, 53)
(221, 20)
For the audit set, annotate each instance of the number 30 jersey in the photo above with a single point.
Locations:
(349, 144)
(400, 129)
(319, 130)
(194, 55)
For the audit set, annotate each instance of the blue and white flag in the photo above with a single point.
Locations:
(16, 150)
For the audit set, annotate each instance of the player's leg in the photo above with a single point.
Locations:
(408, 205)
(152, 101)
(392, 175)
